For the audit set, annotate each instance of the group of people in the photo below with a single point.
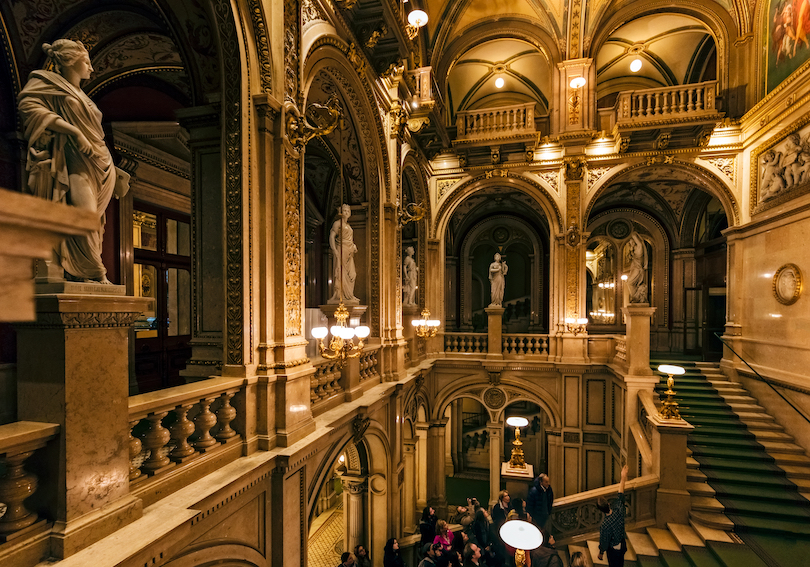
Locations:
(479, 543)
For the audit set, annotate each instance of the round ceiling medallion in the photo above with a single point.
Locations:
(500, 235)
(619, 229)
(494, 398)
(787, 284)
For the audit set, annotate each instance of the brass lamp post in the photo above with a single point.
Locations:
(670, 407)
(517, 461)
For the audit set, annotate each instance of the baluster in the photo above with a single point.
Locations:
(691, 106)
(667, 102)
(699, 96)
(509, 347)
(313, 386)
(225, 415)
(682, 106)
(181, 430)
(650, 109)
(635, 103)
(545, 346)
(154, 440)
(658, 105)
(135, 447)
(15, 486)
(204, 421)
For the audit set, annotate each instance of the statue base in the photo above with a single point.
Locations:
(517, 480)
(79, 288)
(356, 311)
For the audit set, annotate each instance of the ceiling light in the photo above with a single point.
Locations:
(499, 82)
(577, 82)
(635, 65)
(417, 18)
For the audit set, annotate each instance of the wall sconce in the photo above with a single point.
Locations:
(341, 346)
(577, 82)
(575, 326)
(517, 461)
(670, 408)
(416, 19)
(426, 327)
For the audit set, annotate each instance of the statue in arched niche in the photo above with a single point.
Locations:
(68, 160)
(636, 268)
(341, 241)
(497, 280)
(410, 277)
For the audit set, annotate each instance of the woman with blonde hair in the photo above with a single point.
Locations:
(443, 535)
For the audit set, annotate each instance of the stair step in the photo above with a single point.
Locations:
(771, 435)
(797, 473)
(782, 447)
(735, 554)
(641, 544)
(685, 535)
(707, 504)
(745, 407)
(694, 475)
(758, 420)
(700, 489)
(707, 533)
(787, 495)
(712, 520)
(767, 509)
(691, 463)
(701, 557)
(734, 453)
(663, 539)
(793, 459)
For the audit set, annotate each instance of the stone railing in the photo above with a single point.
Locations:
(172, 427)
(678, 102)
(369, 364)
(465, 343)
(18, 442)
(525, 346)
(426, 89)
(325, 382)
(621, 350)
(498, 122)
(577, 514)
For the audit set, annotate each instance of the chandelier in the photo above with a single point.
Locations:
(341, 345)
(575, 326)
(426, 327)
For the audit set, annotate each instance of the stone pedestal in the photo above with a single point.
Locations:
(494, 331)
(673, 501)
(518, 481)
(410, 313)
(637, 318)
(356, 311)
(73, 370)
(574, 349)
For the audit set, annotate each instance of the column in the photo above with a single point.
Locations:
(436, 493)
(207, 254)
(409, 494)
(354, 490)
(81, 385)
(421, 465)
(456, 428)
(495, 433)
(673, 500)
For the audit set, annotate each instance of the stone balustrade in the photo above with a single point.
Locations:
(621, 350)
(173, 426)
(535, 346)
(500, 122)
(18, 442)
(465, 343)
(577, 514)
(369, 364)
(677, 102)
(325, 383)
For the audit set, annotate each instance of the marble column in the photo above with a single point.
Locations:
(495, 434)
(673, 501)
(409, 496)
(421, 465)
(436, 492)
(82, 385)
(494, 332)
(637, 317)
(354, 491)
(456, 428)
(207, 254)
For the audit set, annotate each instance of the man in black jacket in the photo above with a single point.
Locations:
(540, 500)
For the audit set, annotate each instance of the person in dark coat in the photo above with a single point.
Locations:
(546, 554)
(391, 557)
(540, 501)
(500, 509)
(361, 555)
(427, 526)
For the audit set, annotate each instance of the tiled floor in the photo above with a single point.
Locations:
(326, 541)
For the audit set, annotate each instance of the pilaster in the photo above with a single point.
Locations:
(436, 492)
(495, 433)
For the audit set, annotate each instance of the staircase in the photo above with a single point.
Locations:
(745, 473)
(678, 546)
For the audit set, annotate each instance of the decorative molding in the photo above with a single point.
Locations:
(292, 246)
(359, 426)
(595, 174)
(494, 398)
(728, 165)
(443, 186)
(262, 45)
(552, 178)
(84, 320)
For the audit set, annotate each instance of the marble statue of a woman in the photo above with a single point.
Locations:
(636, 252)
(497, 280)
(341, 241)
(68, 159)
(410, 277)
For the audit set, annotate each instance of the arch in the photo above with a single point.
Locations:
(514, 390)
(688, 172)
(224, 555)
(413, 169)
(536, 190)
(716, 20)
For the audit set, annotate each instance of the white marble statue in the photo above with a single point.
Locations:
(410, 277)
(67, 158)
(341, 241)
(497, 280)
(636, 267)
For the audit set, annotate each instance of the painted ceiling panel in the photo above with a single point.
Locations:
(486, 9)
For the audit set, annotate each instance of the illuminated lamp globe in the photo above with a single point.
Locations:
(319, 332)
(499, 82)
(577, 82)
(362, 332)
(417, 18)
(671, 369)
(521, 535)
(635, 65)
(582, 321)
(517, 421)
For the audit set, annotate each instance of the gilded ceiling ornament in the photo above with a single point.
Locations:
(574, 168)
(418, 124)
(572, 236)
(787, 284)
(728, 165)
(262, 45)
(444, 185)
(309, 11)
(356, 58)
(660, 159)
(300, 130)
(595, 174)
(359, 426)
(376, 36)
(552, 178)
(345, 4)
(496, 173)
